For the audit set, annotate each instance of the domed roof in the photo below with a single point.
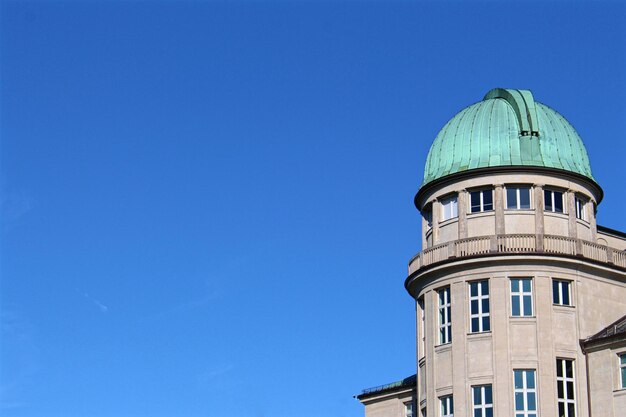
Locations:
(507, 128)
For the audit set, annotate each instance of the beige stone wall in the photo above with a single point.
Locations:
(608, 397)
(598, 297)
(389, 405)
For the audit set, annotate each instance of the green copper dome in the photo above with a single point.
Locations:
(507, 128)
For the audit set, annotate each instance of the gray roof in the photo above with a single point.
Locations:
(616, 329)
(408, 382)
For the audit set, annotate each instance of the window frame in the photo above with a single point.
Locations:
(481, 203)
(453, 201)
(557, 296)
(409, 409)
(483, 317)
(562, 396)
(579, 206)
(521, 294)
(526, 392)
(444, 316)
(552, 208)
(518, 195)
(621, 357)
(446, 406)
(420, 303)
(483, 406)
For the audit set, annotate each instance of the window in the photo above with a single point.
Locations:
(447, 406)
(449, 208)
(553, 201)
(428, 216)
(561, 294)
(479, 306)
(565, 388)
(408, 409)
(445, 324)
(622, 369)
(521, 297)
(420, 303)
(481, 201)
(525, 393)
(580, 208)
(517, 198)
(482, 401)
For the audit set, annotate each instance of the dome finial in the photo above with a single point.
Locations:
(523, 103)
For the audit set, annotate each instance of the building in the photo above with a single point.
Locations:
(520, 295)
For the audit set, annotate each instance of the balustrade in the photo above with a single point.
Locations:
(517, 243)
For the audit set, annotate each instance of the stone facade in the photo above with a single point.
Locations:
(513, 275)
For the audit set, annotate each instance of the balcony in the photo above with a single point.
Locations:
(517, 244)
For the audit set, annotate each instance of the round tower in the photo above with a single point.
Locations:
(514, 270)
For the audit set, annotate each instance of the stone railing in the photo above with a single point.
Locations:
(517, 243)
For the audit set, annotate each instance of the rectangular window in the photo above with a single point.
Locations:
(445, 324)
(565, 388)
(428, 216)
(561, 293)
(525, 393)
(447, 406)
(580, 208)
(553, 201)
(479, 306)
(482, 401)
(420, 303)
(517, 198)
(449, 208)
(622, 369)
(408, 409)
(481, 201)
(521, 297)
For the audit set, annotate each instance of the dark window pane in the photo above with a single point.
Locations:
(477, 396)
(484, 287)
(558, 202)
(511, 198)
(571, 408)
(565, 288)
(478, 413)
(555, 292)
(570, 389)
(474, 307)
(519, 401)
(475, 324)
(559, 389)
(547, 198)
(528, 306)
(489, 412)
(515, 306)
(519, 382)
(474, 289)
(524, 198)
(559, 367)
(485, 305)
(530, 379)
(475, 201)
(569, 371)
(488, 399)
(561, 410)
(532, 403)
(486, 324)
(488, 200)
(526, 284)
(515, 285)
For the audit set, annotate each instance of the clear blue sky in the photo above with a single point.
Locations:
(207, 206)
